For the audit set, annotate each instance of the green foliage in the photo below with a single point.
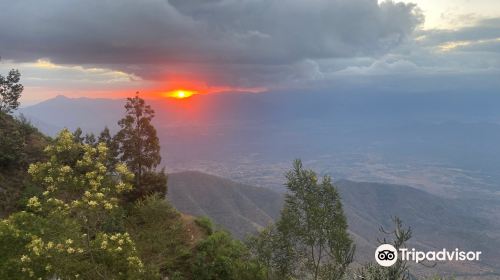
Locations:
(219, 257)
(206, 224)
(11, 143)
(10, 91)
(20, 142)
(137, 135)
(78, 135)
(310, 241)
(89, 138)
(152, 182)
(20, 145)
(273, 252)
(106, 138)
(71, 230)
(138, 146)
(160, 237)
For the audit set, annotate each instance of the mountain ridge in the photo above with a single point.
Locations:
(230, 205)
(226, 202)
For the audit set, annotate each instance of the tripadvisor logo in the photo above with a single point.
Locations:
(386, 255)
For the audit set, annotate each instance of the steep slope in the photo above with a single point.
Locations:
(20, 145)
(430, 215)
(239, 208)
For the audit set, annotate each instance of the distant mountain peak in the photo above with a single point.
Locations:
(61, 97)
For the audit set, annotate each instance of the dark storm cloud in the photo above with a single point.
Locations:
(224, 39)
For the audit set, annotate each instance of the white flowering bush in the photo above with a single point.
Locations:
(71, 230)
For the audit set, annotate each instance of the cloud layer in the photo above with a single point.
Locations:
(225, 42)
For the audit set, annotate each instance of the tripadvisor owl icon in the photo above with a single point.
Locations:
(386, 255)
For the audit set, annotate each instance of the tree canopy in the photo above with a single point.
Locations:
(138, 146)
(70, 231)
(10, 91)
(310, 240)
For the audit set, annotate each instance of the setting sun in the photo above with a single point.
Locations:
(181, 93)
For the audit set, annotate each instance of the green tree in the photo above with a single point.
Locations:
(138, 146)
(90, 139)
(273, 252)
(73, 229)
(220, 257)
(78, 135)
(106, 138)
(310, 240)
(10, 91)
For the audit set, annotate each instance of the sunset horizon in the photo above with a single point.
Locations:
(250, 139)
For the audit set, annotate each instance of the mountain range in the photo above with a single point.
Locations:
(436, 222)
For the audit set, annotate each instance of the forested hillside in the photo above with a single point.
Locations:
(20, 145)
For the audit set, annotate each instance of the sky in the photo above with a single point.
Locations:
(113, 48)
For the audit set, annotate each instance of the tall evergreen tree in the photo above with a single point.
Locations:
(138, 146)
(10, 91)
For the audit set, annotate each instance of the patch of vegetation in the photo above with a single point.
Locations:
(20, 145)
(219, 256)
(160, 236)
(205, 223)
